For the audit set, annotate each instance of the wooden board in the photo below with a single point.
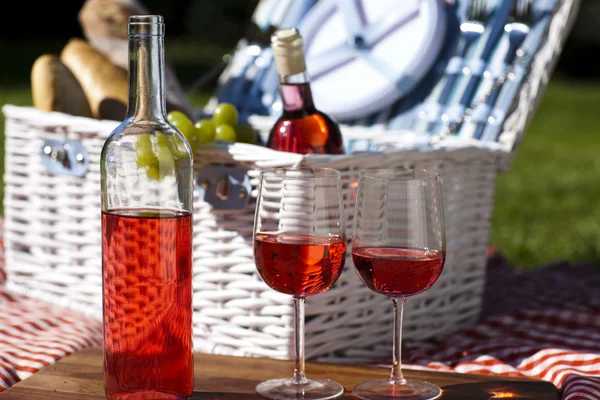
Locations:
(80, 376)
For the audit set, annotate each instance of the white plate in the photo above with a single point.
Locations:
(364, 55)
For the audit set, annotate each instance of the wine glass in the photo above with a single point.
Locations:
(398, 250)
(299, 250)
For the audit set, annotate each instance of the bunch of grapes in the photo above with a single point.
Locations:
(223, 126)
(159, 158)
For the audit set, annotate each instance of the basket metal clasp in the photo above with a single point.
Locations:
(64, 157)
(224, 186)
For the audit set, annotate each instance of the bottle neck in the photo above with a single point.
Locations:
(296, 94)
(146, 78)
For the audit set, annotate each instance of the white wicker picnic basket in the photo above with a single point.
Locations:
(53, 238)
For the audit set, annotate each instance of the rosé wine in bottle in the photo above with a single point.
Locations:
(300, 265)
(147, 289)
(301, 128)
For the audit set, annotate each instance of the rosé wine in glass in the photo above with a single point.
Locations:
(396, 271)
(398, 250)
(300, 249)
(300, 265)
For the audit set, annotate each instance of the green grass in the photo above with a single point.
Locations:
(546, 206)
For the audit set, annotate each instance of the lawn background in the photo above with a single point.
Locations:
(546, 206)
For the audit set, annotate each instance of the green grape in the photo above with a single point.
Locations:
(166, 162)
(205, 130)
(162, 165)
(173, 144)
(159, 160)
(225, 114)
(175, 115)
(144, 152)
(162, 139)
(226, 133)
(153, 173)
(146, 160)
(178, 149)
(245, 134)
(185, 126)
(143, 144)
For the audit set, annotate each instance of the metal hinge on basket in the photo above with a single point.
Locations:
(64, 157)
(224, 186)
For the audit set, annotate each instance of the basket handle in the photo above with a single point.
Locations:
(224, 186)
(64, 157)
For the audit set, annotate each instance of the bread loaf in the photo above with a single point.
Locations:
(104, 25)
(105, 85)
(54, 88)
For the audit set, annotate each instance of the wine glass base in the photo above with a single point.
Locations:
(287, 389)
(385, 390)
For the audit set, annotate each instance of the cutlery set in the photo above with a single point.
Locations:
(493, 54)
(480, 55)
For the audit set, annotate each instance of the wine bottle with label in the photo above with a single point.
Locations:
(301, 128)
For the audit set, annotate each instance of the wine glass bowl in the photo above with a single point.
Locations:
(398, 250)
(398, 271)
(299, 265)
(299, 250)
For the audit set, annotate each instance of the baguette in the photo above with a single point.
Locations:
(104, 25)
(105, 85)
(54, 88)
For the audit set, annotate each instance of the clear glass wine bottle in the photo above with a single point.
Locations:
(147, 187)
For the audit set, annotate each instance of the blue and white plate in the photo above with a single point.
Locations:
(363, 55)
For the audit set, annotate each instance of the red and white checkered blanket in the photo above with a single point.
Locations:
(543, 324)
(34, 334)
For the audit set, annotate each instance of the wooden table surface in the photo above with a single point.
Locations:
(79, 376)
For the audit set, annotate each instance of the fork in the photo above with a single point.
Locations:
(471, 29)
(517, 29)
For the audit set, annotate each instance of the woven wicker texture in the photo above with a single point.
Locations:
(53, 238)
(53, 247)
(528, 99)
(349, 317)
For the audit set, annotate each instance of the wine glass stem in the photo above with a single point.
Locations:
(396, 377)
(299, 374)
